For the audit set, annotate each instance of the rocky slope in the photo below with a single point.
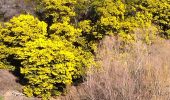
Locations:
(10, 8)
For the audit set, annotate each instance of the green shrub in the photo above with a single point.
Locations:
(114, 17)
(57, 10)
(50, 62)
(51, 53)
(22, 29)
(4, 53)
(160, 12)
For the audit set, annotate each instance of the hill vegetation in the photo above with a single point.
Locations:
(57, 45)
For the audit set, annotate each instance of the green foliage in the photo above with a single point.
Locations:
(4, 53)
(58, 10)
(57, 50)
(46, 61)
(109, 20)
(65, 31)
(82, 8)
(159, 9)
(22, 29)
(114, 17)
(161, 14)
(1, 98)
(168, 33)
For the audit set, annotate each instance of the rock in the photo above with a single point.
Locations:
(10, 8)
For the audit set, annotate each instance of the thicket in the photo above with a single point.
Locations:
(55, 48)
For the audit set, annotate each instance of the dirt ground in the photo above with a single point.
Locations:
(9, 88)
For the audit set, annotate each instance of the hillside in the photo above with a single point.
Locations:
(84, 49)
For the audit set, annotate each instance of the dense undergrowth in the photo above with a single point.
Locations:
(56, 47)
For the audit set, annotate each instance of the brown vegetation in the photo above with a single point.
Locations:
(139, 73)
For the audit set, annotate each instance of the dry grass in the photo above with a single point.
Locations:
(141, 72)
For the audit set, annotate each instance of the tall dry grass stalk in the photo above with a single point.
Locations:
(139, 73)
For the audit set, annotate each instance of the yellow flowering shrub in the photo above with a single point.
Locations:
(48, 61)
(159, 9)
(50, 54)
(65, 31)
(110, 17)
(58, 10)
(23, 28)
(4, 53)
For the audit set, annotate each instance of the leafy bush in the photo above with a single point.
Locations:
(4, 53)
(159, 11)
(48, 64)
(60, 10)
(113, 17)
(59, 49)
